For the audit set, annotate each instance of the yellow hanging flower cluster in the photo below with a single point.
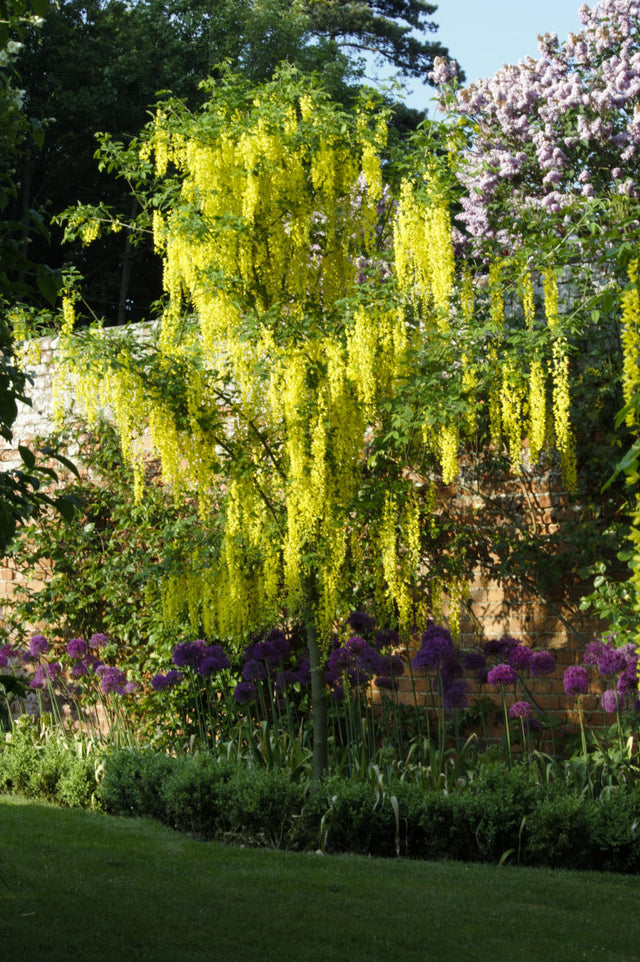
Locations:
(423, 250)
(511, 401)
(631, 339)
(269, 376)
(560, 377)
(496, 311)
(448, 444)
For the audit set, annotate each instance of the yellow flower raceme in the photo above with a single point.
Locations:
(631, 340)
(560, 378)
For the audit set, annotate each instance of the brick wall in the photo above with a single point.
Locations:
(492, 609)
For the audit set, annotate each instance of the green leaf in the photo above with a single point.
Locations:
(13, 685)
(28, 457)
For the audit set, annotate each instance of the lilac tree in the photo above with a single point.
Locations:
(554, 136)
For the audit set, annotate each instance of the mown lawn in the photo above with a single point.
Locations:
(78, 885)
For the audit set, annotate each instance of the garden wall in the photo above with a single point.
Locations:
(493, 608)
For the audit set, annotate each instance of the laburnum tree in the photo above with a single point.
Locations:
(94, 66)
(319, 361)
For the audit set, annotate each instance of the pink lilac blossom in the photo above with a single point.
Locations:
(537, 126)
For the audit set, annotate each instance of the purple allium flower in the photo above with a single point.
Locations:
(79, 669)
(38, 645)
(542, 663)
(245, 692)
(519, 657)
(77, 648)
(332, 677)
(474, 661)
(339, 660)
(520, 709)
(386, 638)
(451, 668)
(456, 695)
(387, 682)
(500, 647)
(501, 675)
(437, 644)
(189, 654)
(11, 653)
(174, 677)
(628, 680)
(360, 621)
(112, 680)
(303, 669)
(170, 680)
(99, 640)
(575, 680)
(610, 700)
(254, 671)
(213, 661)
(277, 648)
(610, 660)
(39, 679)
(44, 673)
(286, 678)
(592, 652)
(392, 665)
(4, 661)
(357, 657)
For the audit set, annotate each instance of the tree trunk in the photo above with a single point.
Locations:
(318, 691)
(125, 273)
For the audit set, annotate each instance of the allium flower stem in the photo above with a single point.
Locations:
(583, 737)
(506, 725)
(551, 725)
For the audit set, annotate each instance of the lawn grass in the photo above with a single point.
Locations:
(84, 886)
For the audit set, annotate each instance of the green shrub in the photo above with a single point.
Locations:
(264, 806)
(438, 826)
(500, 797)
(78, 786)
(50, 769)
(197, 796)
(133, 783)
(357, 819)
(614, 832)
(558, 832)
(18, 762)
(503, 813)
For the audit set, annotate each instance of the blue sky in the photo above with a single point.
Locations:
(484, 34)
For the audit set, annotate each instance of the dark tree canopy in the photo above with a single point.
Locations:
(100, 65)
(389, 29)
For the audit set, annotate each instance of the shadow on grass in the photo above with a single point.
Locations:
(84, 886)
